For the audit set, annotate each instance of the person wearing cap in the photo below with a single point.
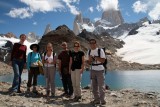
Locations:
(76, 68)
(18, 60)
(63, 64)
(32, 66)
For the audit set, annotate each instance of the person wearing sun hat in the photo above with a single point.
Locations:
(32, 66)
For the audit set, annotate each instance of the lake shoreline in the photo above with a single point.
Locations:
(125, 98)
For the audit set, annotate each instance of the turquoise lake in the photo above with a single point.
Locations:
(145, 80)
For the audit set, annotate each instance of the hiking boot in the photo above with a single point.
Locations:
(34, 90)
(19, 91)
(13, 93)
(10, 89)
(69, 95)
(53, 94)
(28, 89)
(76, 98)
(103, 102)
(95, 102)
(47, 93)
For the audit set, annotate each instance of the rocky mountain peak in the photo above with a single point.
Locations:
(10, 35)
(78, 18)
(114, 17)
(48, 29)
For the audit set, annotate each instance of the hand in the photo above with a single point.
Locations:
(91, 58)
(81, 71)
(47, 61)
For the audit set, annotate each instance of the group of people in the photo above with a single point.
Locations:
(70, 64)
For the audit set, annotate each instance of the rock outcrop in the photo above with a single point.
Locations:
(48, 29)
(10, 35)
(113, 17)
(32, 37)
(59, 35)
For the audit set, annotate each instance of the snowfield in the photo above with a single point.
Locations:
(144, 47)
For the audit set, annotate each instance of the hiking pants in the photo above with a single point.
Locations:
(98, 85)
(50, 73)
(33, 74)
(76, 82)
(67, 83)
(17, 65)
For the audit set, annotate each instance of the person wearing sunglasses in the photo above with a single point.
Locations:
(76, 68)
(63, 64)
(97, 72)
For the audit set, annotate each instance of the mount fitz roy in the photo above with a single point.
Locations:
(111, 22)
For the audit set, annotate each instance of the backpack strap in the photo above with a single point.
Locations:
(99, 52)
(30, 57)
(53, 54)
(89, 52)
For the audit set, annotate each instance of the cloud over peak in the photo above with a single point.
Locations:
(148, 6)
(108, 5)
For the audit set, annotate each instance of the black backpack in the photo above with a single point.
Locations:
(99, 54)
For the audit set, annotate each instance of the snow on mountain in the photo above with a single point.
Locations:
(109, 20)
(3, 41)
(143, 47)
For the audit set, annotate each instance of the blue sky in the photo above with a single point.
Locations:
(24, 16)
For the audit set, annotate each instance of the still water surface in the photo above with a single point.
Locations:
(146, 80)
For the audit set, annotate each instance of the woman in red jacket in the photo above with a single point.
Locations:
(18, 59)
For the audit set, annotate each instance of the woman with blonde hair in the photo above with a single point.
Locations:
(76, 68)
(49, 61)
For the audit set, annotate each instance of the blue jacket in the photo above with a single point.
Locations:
(32, 59)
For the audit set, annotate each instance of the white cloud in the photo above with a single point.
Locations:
(43, 5)
(149, 6)
(20, 12)
(73, 9)
(138, 6)
(155, 13)
(98, 8)
(91, 9)
(108, 4)
(34, 23)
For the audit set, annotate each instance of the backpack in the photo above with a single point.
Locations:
(52, 55)
(99, 54)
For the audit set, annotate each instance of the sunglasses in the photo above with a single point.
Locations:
(92, 43)
(76, 45)
(63, 45)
